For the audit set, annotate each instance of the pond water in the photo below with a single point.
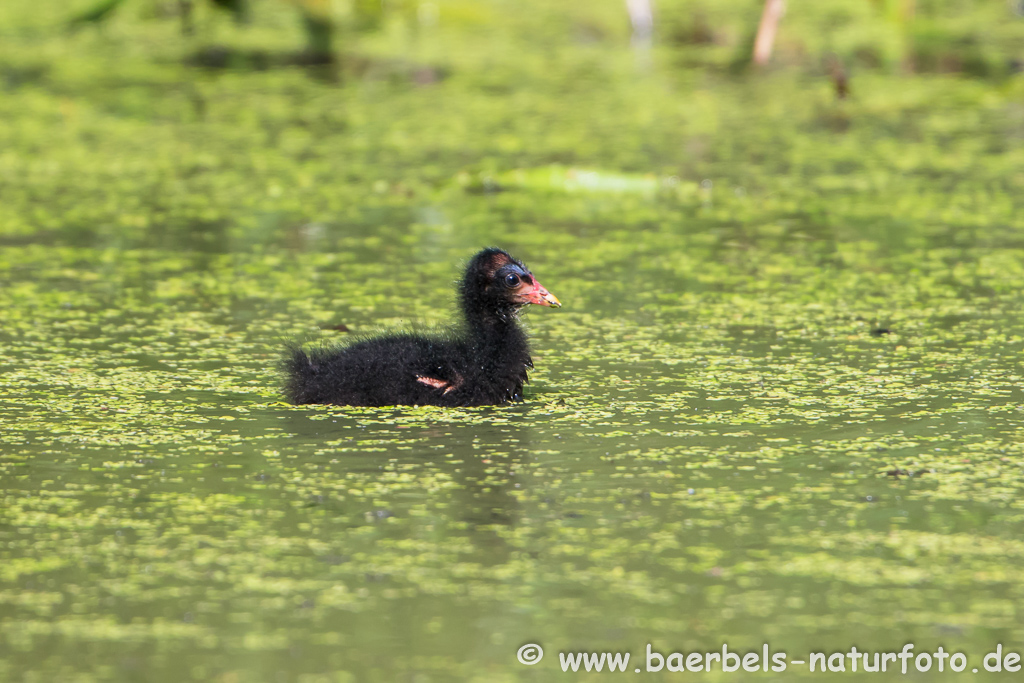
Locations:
(782, 402)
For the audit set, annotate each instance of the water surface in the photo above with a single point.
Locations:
(782, 402)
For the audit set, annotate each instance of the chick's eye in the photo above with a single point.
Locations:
(511, 280)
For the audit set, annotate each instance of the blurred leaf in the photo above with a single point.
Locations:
(319, 34)
(369, 14)
(319, 8)
(316, 19)
(238, 8)
(95, 14)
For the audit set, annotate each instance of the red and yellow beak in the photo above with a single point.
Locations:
(535, 293)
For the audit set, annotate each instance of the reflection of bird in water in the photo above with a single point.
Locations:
(483, 363)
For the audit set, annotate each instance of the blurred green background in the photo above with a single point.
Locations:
(782, 402)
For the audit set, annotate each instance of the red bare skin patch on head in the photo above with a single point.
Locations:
(496, 263)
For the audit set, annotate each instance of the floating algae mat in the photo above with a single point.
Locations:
(782, 403)
(560, 179)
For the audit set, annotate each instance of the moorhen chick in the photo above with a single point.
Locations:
(483, 361)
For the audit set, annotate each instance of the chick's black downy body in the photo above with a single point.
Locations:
(484, 361)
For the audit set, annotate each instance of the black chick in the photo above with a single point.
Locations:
(483, 361)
